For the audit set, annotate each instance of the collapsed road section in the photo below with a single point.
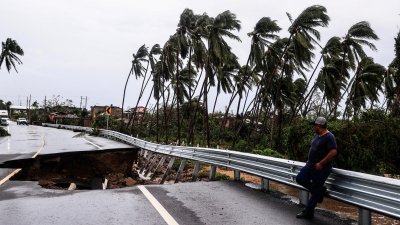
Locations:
(99, 169)
(105, 169)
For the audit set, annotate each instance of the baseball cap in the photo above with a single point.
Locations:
(319, 121)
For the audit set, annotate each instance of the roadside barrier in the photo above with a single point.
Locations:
(369, 193)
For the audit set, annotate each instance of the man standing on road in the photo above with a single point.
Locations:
(318, 167)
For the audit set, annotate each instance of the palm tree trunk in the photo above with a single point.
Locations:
(192, 119)
(138, 100)
(233, 96)
(142, 88)
(157, 123)
(338, 98)
(238, 106)
(177, 99)
(123, 100)
(145, 107)
(298, 107)
(245, 102)
(166, 117)
(215, 102)
(205, 102)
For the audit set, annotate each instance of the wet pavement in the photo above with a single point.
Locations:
(219, 202)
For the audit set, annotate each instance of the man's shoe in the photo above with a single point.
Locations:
(322, 196)
(305, 215)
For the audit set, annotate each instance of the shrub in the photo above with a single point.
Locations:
(3, 132)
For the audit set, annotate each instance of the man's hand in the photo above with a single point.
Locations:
(332, 153)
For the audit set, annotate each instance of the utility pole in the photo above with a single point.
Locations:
(44, 110)
(86, 102)
(29, 109)
(80, 105)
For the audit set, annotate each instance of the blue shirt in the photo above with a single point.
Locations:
(320, 147)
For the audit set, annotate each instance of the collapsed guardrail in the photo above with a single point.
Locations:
(368, 192)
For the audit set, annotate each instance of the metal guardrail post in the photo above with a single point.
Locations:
(160, 163)
(196, 171)
(236, 175)
(264, 184)
(213, 172)
(146, 162)
(171, 162)
(181, 167)
(303, 197)
(151, 165)
(364, 217)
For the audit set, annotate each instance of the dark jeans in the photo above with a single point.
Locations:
(313, 180)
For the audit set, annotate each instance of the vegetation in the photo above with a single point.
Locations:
(8, 56)
(359, 97)
(3, 132)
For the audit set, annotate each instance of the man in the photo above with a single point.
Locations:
(318, 167)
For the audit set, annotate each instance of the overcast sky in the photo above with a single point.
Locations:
(84, 48)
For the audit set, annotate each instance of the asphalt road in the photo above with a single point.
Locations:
(218, 202)
(27, 141)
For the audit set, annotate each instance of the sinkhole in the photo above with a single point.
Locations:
(85, 170)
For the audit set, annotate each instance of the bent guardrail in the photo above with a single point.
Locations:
(368, 192)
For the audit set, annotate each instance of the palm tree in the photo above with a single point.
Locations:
(218, 53)
(331, 50)
(224, 78)
(357, 36)
(9, 51)
(137, 69)
(154, 51)
(263, 32)
(197, 56)
(392, 81)
(365, 84)
(157, 86)
(303, 34)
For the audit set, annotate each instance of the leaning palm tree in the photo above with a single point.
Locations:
(197, 57)
(9, 51)
(218, 53)
(365, 85)
(158, 87)
(357, 36)
(264, 31)
(224, 77)
(154, 51)
(331, 50)
(137, 69)
(392, 81)
(303, 34)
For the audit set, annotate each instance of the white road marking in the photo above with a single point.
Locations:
(5, 179)
(160, 209)
(93, 144)
(8, 177)
(41, 148)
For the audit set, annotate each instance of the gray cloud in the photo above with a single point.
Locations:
(84, 48)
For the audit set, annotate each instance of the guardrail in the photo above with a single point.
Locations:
(368, 192)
